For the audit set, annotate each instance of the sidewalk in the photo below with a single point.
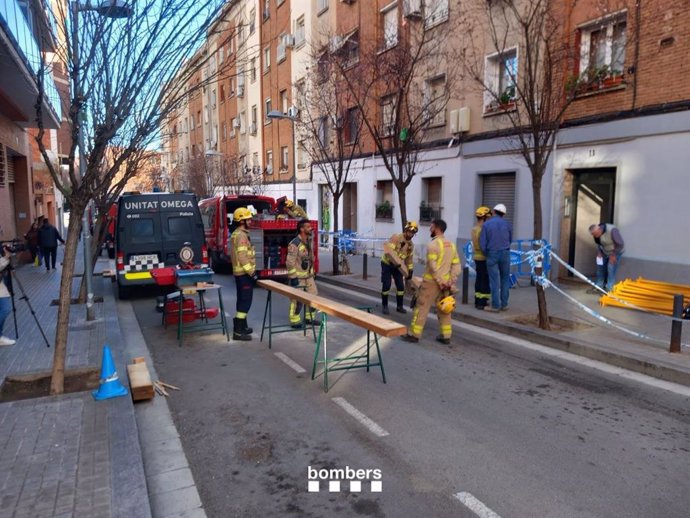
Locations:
(68, 455)
(589, 336)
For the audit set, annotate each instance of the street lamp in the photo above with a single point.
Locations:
(292, 117)
(109, 9)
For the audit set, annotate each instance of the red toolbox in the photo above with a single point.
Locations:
(164, 276)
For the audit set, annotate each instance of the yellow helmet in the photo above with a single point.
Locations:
(482, 212)
(412, 225)
(241, 213)
(446, 305)
(289, 203)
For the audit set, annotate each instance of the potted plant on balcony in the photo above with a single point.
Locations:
(425, 213)
(384, 210)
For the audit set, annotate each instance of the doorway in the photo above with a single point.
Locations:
(591, 201)
(350, 207)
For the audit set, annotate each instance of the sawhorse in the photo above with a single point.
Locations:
(282, 328)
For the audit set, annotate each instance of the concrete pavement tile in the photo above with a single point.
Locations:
(175, 502)
(170, 480)
(192, 513)
(164, 456)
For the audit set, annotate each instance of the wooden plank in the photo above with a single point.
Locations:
(379, 325)
(140, 381)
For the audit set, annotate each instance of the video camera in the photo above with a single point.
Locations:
(13, 246)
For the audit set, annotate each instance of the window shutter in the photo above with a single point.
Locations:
(499, 188)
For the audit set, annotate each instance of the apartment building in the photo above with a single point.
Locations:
(618, 156)
(26, 190)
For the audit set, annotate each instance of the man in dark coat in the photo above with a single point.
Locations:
(48, 237)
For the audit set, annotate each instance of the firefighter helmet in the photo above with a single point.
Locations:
(412, 226)
(241, 213)
(446, 305)
(482, 212)
(289, 204)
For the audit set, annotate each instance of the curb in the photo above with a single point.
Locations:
(658, 369)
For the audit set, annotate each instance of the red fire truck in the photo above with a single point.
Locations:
(269, 234)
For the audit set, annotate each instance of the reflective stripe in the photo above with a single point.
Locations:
(400, 293)
(247, 267)
(428, 277)
(433, 256)
(137, 276)
(291, 271)
(240, 315)
(385, 293)
(241, 248)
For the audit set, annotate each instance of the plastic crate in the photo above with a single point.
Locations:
(191, 277)
(164, 276)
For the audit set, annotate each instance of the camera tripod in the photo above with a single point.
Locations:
(10, 277)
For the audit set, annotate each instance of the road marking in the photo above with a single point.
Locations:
(290, 363)
(364, 420)
(475, 505)
(669, 386)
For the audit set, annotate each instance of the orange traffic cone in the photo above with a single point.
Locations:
(110, 383)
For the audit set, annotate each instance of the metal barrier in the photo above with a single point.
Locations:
(524, 254)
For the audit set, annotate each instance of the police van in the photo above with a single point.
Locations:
(150, 231)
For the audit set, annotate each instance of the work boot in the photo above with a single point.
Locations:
(442, 339)
(384, 305)
(399, 300)
(237, 333)
(246, 330)
(385, 310)
(410, 338)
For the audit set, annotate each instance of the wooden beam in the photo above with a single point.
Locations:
(379, 325)
(140, 381)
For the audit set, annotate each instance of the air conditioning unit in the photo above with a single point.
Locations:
(293, 112)
(412, 9)
(288, 40)
(335, 43)
(236, 122)
(240, 91)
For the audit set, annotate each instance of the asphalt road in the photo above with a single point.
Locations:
(480, 424)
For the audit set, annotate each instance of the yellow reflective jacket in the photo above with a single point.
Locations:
(298, 255)
(398, 250)
(242, 253)
(442, 262)
(478, 254)
(297, 212)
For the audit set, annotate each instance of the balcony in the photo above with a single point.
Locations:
(20, 66)
(384, 211)
(428, 212)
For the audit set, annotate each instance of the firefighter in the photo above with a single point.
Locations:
(300, 265)
(294, 211)
(438, 284)
(482, 288)
(243, 259)
(397, 262)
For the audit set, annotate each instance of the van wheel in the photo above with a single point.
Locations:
(123, 292)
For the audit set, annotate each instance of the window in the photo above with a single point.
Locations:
(252, 21)
(279, 2)
(280, 52)
(192, 125)
(284, 101)
(299, 31)
(222, 93)
(322, 68)
(384, 199)
(501, 76)
(268, 107)
(602, 48)
(213, 98)
(350, 49)
(322, 133)
(254, 119)
(252, 70)
(267, 10)
(430, 208)
(267, 59)
(243, 122)
(232, 87)
(198, 118)
(435, 12)
(221, 54)
(435, 100)
(193, 150)
(225, 130)
(353, 124)
(240, 34)
(387, 115)
(321, 6)
(284, 157)
(179, 226)
(499, 188)
(389, 22)
(269, 162)
(301, 155)
(141, 227)
(255, 159)
(240, 82)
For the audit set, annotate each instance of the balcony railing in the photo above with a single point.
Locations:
(429, 213)
(14, 22)
(384, 210)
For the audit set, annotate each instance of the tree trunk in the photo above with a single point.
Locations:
(541, 296)
(336, 227)
(57, 381)
(402, 202)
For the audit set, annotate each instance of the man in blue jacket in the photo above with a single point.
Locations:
(494, 240)
(48, 237)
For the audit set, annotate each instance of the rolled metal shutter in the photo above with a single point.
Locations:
(499, 188)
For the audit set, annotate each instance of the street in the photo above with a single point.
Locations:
(481, 424)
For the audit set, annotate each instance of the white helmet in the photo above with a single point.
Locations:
(501, 208)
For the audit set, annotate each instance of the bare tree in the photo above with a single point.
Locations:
(331, 121)
(530, 95)
(412, 75)
(119, 71)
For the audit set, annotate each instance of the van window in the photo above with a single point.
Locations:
(180, 226)
(142, 227)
